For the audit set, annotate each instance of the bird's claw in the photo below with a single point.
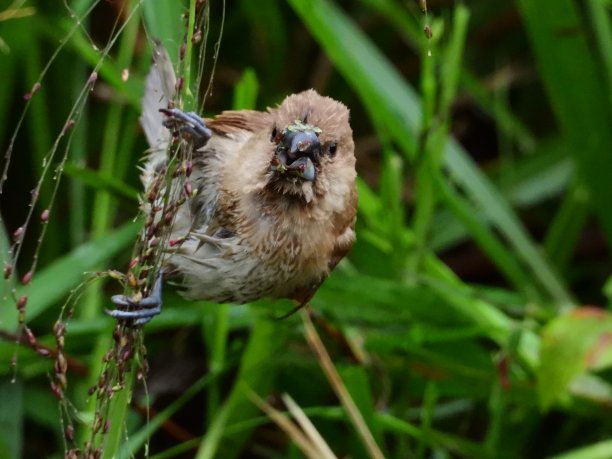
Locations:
(189, 123)
(139, 313)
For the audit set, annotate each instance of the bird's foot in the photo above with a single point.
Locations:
(189, 123)
(141, 312)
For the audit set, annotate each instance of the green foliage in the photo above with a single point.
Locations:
(457, 324)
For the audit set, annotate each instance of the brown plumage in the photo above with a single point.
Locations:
(276, 202)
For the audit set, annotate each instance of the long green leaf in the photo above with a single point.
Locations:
(578, 93)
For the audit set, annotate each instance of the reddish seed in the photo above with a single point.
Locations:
(188, 189)
(57, 391)
(102, 379)
(69, 433)
(174, 242)
(18, 233)
(427, 31)
(91, 390)
(106, 426)
(134, 262)
(44, 216)
(59, 328)
(182, 51)
(35, 88)
(117, 333)
(179, 84)
(8, 270)
(21, 303)
(151, 231)
(97, 424)
(69, 125)
(61, 378)
(62, 362)
(188, 168)
(43, 352)
(92, 78)
(126, 354)
(30, 337)
(27, 277)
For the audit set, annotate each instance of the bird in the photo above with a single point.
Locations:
(275, 204)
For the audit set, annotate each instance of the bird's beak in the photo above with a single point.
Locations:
(297, 153)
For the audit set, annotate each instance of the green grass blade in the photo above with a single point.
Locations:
(601, 450)
(257, 372)
(11, 419)
(139, 438)
(164, 22)
(566, 60)
(101, 181)
(245, 92)
(567, 225)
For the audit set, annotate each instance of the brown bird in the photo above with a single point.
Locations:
(276, 201)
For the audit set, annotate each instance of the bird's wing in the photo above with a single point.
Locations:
(344, 223)
(234, 121)
(159, 90)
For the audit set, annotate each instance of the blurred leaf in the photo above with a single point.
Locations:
(566, 59)
(535, 179)
(356, 382)
(572, 344)
(40, 406)
(55, 281)
(601, 450)
(11, 419)
(164, 22)
(109, 69)
(101, 181)
(245, 92)
(257, 370)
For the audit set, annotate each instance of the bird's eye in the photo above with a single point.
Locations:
(331, 149)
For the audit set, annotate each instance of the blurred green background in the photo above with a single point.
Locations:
(472, 318)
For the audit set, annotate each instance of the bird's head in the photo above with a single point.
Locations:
(313, 149)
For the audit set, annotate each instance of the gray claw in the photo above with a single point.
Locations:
(143, 311)
(189, 123)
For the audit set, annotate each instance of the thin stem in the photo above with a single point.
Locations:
(314, 340)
